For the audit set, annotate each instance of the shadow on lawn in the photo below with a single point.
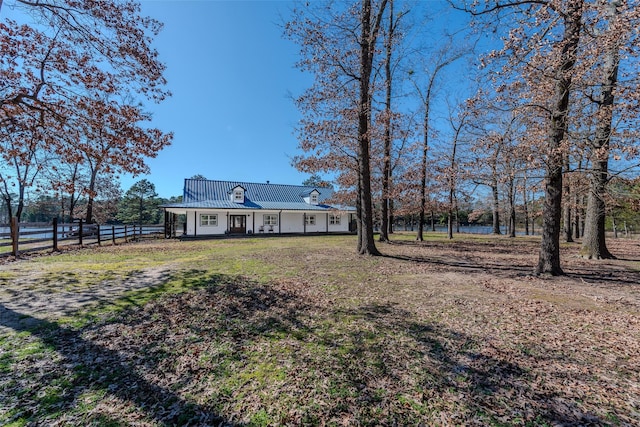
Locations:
(86, 367)
(469, 382)
(596, 274)
(367, 365)
(462, 263)
(64, 365)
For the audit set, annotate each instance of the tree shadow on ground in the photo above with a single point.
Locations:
(275, 350)
(85, 366)
(508, 268)
(468, 381)
(501, 269)
(75, 362)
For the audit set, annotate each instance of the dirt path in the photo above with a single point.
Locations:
(33, 298)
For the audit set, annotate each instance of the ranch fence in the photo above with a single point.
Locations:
(28, 237)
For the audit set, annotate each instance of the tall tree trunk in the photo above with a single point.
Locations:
(452, 192)
(594, 242)
(391, 216)
(576, 222)
(566, 219)
(9, 208)
(359, 212)
(457, 216)
(582, 221)
(512, 207)
(496, 207)
(453, 178)
(92, 186)
(577, 201)
(549, 257)
(533, 226)
(423, 178)
(386, 168)
(423, 164)
(367, 48)
(426, 100)
(525, 205)
(576, 216)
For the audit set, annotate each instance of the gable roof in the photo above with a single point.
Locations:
(203, 193)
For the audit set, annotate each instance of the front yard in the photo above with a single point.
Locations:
(301, 331)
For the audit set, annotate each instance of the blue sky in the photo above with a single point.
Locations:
(232, 75)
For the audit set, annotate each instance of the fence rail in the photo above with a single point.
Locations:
(37, 237)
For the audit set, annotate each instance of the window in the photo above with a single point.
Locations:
(270, 220)
(313, 198)
(334, 219)
(208, 220)
(310, 220)
(238, 196)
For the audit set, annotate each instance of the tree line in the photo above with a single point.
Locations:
(140, 204)
(524, 102)
(77, 77)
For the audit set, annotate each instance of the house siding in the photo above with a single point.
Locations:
(288, 222)
(292, 223)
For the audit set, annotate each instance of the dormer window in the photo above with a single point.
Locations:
(237, 194)
(312, 199)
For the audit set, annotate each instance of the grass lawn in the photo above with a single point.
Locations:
(302, 331)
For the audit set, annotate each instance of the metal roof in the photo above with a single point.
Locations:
(203, 193)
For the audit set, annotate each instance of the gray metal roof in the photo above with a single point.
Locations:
(202, 193)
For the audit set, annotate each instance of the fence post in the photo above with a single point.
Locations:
(15, 235)
(113, 234)
(125, 234)
(80, 232)
(98, 231)
(55, 234)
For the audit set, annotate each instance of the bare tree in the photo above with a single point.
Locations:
(342, 60)
(446, 56)
(594, 242)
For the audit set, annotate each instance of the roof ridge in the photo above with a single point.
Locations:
(256, 183)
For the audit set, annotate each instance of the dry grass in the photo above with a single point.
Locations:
(301, 331)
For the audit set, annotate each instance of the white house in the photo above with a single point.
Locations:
(236, 208)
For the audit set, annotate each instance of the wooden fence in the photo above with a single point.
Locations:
(33, 237)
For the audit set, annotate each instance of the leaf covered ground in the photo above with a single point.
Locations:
(301, 331)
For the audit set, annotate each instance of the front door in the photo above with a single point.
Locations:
(238, 224)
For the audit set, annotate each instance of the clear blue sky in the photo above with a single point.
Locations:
(232, 75)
